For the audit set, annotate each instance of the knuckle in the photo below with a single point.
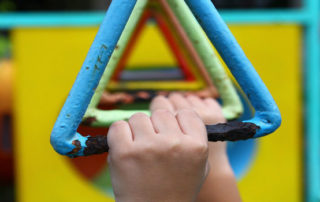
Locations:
(194, 99)
(211, 100)
(171, 149)
(213, 104)
(122, 155)
(145, 151)
(174, 145)
(191, 96)
(116, 127)
(145, 148)
(187, 112)
(119, 124)
(117, 157)
(200, 148)
(138, 116)
(159, 98)
(175, 95)
(162, 113)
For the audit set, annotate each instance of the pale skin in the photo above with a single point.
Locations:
(220, 185)
(162, 158)
(165, 157)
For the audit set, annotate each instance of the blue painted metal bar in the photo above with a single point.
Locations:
(312, 105)
(296, 16)
(267, 115)
(64, 137)
(76, 19)
(50, 19)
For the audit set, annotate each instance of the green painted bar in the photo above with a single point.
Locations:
(232, 106)
(117, 54)
(104, 118)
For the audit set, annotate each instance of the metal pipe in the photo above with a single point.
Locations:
(267, 115)
(64, 137)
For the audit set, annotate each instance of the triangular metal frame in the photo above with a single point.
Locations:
(182, 54)
(67, 141)
(231, 103)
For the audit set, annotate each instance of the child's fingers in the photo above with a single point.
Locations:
(119, 136)
(141, 126)
(196, 102)
(212, 104)
(179, 101)
(165, 122)
(161, 102)
(191, 124)
(214, 107)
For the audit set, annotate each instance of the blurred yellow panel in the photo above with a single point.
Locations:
(151, 50)
(275, 51)
(47, 62)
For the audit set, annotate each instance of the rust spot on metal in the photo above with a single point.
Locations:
(88, 121)
(232, 131)
(77, 144)
(104, 46)
(117, 47)
(99, 60)
(96, 145)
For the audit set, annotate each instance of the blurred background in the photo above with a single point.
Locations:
(44, 42)
(82, 5)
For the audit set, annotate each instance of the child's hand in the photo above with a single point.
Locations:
(208, 109)
(220, 184)
(162, 158)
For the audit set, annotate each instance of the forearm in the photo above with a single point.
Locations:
(220, 185)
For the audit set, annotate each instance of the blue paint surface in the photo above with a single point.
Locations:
(312, 105)
(241, 154)
(64, 131)
(76, 19)
(267, 115)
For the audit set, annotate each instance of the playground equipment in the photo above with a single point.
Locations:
(67, 141)
(272, 39)
(41, 92)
